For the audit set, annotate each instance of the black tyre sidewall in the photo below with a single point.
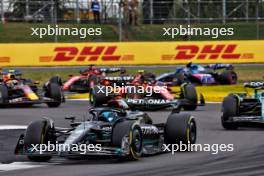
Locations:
(190, 94)
(54, 92)
(97, 98)
(3, 94)
(55, 80)
(228, 77)
(37, 133)
(127, 128)
(178, 129)
(230, 109)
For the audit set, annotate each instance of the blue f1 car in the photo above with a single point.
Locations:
(201, 75)
(241, 110)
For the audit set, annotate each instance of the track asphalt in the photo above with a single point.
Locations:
(246, 159)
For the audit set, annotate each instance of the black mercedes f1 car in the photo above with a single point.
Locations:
(114, 132)
(243, 110)
(186, 97)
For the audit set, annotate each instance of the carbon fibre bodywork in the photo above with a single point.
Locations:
(201, 75)
(241, 109)
(20, 91)
(185, 98)
(101, 132)
(87, 79)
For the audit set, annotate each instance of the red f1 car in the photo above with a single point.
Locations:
(87, 79)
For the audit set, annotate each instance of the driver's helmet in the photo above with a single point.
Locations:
(92, 68)
(141, 71)
(108, 116)
(9, 76)
(11, 80)
(200, 68)
(12, 83)
(194, 69)
(123, 71)
(148, 77)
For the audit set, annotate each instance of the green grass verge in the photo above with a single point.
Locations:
(21, 33)
(242, 31)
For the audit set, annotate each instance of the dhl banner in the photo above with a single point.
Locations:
(131, 53)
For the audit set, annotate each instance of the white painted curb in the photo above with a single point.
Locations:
(13, 127)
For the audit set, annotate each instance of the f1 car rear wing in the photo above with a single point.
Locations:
(111, 70)
(119, 78)
(220, 66)
(254, 85)
(105, 70)
(11, 71)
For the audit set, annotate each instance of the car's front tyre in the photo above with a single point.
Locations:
(230, 109)
(38, 132)
(190, 94)
(132, 131)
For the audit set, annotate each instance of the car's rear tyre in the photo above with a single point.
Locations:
(228, 77)
(190, 94)
(54, 92)
(97, 96)
(38, 132)
(180, 128)
(56, 80)
(180, 78)
(230, 109)
(135, 139)
(3, 94)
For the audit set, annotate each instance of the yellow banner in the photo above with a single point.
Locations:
(131, 53)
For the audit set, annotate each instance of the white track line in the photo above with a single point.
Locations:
(211, 102)
(19, 166)
(81, 99)
(13, 127)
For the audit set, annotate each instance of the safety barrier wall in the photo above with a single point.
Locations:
(131, 53)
